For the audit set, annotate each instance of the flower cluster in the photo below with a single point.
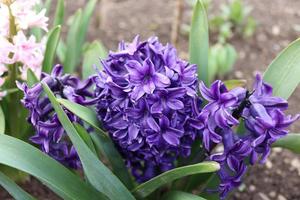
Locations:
(264, 120)
(17, 16)
(147, 100)
(50, 134)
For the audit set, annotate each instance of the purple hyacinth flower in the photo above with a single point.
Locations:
(50, 135)
(147, 100)
(265, 122)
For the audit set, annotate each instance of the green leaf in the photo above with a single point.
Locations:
(150, 186)
(20, 155)
(96, 172)
(231, 84)
(91, 58)
(60, 12)
(2, 121)
(31, 78)
(106, 146)
(212, 183)
(102, 141)
(82, 112)
(284, 72)
(199, 41)
(61, 51)
(13, 189)
(86, 16)
(212, 62)
(179, 195)
(71, 57)
(52, 42)
(290, 142)
(47, 5)
(249, 28)
(231, 57)
(86, 137)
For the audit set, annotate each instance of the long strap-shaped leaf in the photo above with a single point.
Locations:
(85, 20)
(2, 121)
(150, 186)
(199, 41)
(20, 155)
(92, 54)
(284, 72)
(71, 57)
(290, 142)
(60, 13)
(52, 42)
(97, 173)
(13, 189)
(103, 142)
(179, 195)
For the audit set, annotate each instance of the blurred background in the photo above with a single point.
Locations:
(245, 35)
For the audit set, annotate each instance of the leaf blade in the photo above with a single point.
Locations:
(31, 78)
(52, 42)
(71, 57)
(92, 54)
(231, 84)
(199, 41)
(290, 142)
(284, 71)
(20, 155)
(148, 187)
(13, 189)
(179, 195)
(60, 13)
(2, 121)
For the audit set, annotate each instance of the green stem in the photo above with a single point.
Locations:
(14, 103)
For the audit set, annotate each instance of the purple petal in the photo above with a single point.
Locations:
(161, 80)
(171, 139)
(152, 124)
(133, 131)
(175, 104)
(149, 87)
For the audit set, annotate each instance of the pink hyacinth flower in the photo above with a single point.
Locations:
(26, 17)
(28, 52)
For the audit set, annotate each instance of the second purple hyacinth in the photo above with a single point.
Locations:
(264, 121)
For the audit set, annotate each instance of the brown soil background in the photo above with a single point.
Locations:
(279, 21)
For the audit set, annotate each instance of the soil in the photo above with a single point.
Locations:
(279, 24)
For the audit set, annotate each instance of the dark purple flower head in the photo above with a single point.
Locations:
(147, 100)
(50, 134)
(264, 120)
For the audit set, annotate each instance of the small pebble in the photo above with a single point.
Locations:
(263, 196)
(272, 194)
(280, 197)
(238, 74)
(269, 164)
(277, 150)
(252, 188)
(275, 30)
